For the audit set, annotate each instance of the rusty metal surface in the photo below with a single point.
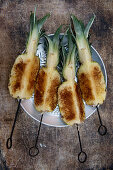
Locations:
(58, 146)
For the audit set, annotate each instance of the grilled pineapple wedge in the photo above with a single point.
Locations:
(26, 66)
(69, 96)
(48, 79)
(90, 76)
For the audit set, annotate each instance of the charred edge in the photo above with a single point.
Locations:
(85, 86)
(97, 74)
(98, 78)
(19, 71)
(33, 74)
(80, 102)
(40, 87)
(66, 97)
(52, 98)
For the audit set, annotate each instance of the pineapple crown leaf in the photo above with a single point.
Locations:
(71, 46)
(84, 30)
(34, 23)
(41, 21)
(48, 43)
(53, 44)
(70, 42)
(79, 26)
(63, 50)
(56, 36)
(67, 49)
(88, 26)
(76, 27)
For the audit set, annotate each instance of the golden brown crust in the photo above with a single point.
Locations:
(46, 90)
(23, 76)
(97, 77)
(67, 104)
(92, 83)
(52, 97)
(40, 87)
(96, 73)
(18, 70)
(80, 103)
(70, 103)
(85, 86)
(33, 73)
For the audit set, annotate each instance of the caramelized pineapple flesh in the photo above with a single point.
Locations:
(26, 66)
(48, 80)
(70, 103)
(69, 97)
(23, 77)
(46, 89)
(92, 84)
(90, 76)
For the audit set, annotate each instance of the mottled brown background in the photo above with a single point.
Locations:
(59, 145)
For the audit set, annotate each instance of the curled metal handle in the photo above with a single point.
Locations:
(82, 157)
(33, 151)
(9, 140)
(102, 130)
(9, 143)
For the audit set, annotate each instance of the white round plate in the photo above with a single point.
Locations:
(54, 118)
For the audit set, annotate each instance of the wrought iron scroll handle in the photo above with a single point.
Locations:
(34, 151)
(102, 130)
(9, 140)
(82, 156)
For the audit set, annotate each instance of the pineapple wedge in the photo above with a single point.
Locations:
(69, 96)
(26, 66)
(48, 79)
(90, 76)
